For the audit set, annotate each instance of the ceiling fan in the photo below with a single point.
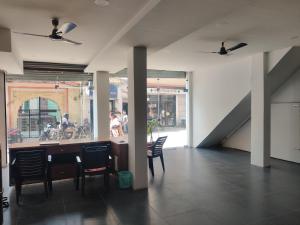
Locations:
(224, 51)
(57, 34)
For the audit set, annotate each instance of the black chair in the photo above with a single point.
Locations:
(94, 160)
(28, 167)
(156, 150)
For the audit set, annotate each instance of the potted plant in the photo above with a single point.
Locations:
(151, 125)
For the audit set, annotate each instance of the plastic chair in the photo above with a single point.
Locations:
(94, 160)
(29, 166)
(156, 150)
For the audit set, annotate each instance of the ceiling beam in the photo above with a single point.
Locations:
(9, 59)
(128, 26)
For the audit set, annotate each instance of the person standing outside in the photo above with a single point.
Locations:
(125, 121)
(115, 126)
(65, 121)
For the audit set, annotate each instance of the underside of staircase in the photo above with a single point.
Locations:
(288, 65)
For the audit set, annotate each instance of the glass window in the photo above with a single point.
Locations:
(48, 110)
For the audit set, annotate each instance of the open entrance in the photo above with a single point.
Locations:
(166, 100)
(166, 104)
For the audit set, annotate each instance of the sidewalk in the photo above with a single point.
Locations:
(176, 137)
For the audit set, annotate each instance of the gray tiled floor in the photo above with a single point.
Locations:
(207, 187)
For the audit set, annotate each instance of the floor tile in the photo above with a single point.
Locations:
(199, 186)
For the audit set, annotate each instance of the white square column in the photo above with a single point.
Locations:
(189, 108)
(137, 116)
(3, 137)
(260, 112)
(101, 105)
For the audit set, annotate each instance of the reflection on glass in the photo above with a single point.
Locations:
(48, 111)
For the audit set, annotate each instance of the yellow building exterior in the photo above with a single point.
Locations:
(71, 100)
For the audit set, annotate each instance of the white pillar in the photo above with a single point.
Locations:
(3, 138)
(260, 112)
(101, 105)
(137, 116)
(189, 109)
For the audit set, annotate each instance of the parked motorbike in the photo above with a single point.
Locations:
(68, 132)
(83, 131)
(52, 132)
(14, 136)
(48, 133)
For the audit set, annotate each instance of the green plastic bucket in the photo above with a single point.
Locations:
(125, 179)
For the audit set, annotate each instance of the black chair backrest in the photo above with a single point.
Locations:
(158, 146)
(95, 156)
(31, 164)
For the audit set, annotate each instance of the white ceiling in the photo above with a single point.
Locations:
(265, 25)
(174, 31)
(96, 26)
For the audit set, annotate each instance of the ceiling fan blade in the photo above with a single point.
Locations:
(29, 34)
(66, 28)
(207, 52)
(240, 45)
(70, 41)
(228, 54)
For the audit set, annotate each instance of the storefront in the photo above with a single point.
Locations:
(166, 97)
(167, 106)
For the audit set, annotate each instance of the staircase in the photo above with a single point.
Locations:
(288, 65)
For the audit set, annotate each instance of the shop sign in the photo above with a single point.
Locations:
(113, 91)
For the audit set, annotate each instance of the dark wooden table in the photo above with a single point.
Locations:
(64, 152)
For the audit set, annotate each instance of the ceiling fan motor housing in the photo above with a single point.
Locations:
(55, 22)
(54, 35)
(223, 51)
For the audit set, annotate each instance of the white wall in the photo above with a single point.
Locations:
(216, 91)
(240, 139)
(285, 124)
(285, 121)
